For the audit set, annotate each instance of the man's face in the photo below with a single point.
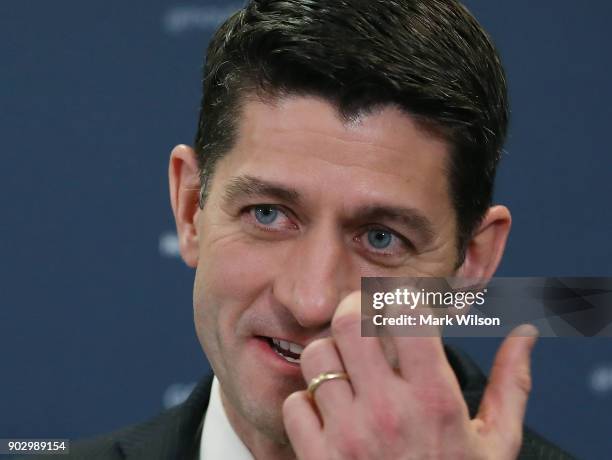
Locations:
(301, 208)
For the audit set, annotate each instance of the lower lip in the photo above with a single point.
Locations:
(269, 355)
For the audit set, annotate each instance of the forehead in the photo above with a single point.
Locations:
(303, 142)
(317, 122)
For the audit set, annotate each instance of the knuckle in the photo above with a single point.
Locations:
(444, 406)
(290, 404)
(291, 401)
(291, 412)
(315, 350)
(523, 380)
(387, 422)
(349, 444)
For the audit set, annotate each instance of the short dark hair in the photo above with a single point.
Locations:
(430, 58)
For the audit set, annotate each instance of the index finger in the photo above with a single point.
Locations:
(421, 355)
(363, 357)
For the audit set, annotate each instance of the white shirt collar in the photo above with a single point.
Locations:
(219, 441)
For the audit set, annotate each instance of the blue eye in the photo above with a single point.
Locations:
(265, 214)
(379, 238)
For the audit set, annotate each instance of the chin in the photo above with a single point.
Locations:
(270, 423)
(262, 409)
(257, 397)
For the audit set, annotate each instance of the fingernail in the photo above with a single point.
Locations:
(525, 330)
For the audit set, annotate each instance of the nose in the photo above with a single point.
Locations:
(316, 274)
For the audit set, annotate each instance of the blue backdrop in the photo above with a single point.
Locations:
(96, 318)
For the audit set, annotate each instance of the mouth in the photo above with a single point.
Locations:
(289, 351)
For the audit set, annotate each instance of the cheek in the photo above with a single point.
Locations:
(238, 272)
(239, 268)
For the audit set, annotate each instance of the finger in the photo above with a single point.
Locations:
(363, 357)
(422, 360)
(421, 356)
(332, 396)
(505, 399)
(303, 426)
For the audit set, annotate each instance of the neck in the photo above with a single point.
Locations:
(260, 444)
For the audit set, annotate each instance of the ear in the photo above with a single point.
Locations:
(184, 195)
(486, 248)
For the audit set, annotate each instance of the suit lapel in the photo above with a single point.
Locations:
(174, 434)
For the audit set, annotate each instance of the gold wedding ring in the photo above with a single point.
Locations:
(324, 377)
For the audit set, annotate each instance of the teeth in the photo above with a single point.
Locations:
(282, 344)
(290, 359)
(290, 347)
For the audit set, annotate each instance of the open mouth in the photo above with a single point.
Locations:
(289, 351)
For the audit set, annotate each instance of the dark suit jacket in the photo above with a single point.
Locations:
(175, 433)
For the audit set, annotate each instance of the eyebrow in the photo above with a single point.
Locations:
(248, 186)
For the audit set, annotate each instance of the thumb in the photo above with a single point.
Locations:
(505, 399)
